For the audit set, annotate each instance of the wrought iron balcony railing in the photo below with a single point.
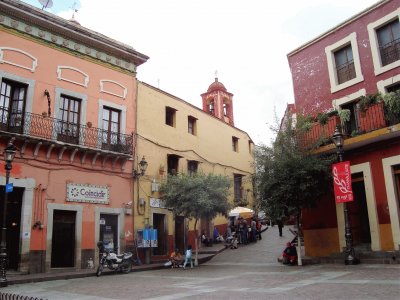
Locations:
(345, 72)
(390, 52)
(52, 129)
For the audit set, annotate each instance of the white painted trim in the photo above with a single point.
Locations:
(337, 103)
(34, 59)
(393, 203)
(85, 76)
(330, 57)
(125, 90)
(365, 168)
(373, 40)
(78, 231)
(383, 84)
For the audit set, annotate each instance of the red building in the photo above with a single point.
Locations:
(338, 74)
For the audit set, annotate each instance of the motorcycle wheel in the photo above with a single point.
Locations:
(126, 267)
(99, 270)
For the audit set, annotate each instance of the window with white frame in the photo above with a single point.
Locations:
(111, 125)
(12, 105)
(384, 37)
(70, 116)
(343, 60)
(112, 122)
(388, 85)
(349, 102)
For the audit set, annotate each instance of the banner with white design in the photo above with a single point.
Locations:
(342, 182)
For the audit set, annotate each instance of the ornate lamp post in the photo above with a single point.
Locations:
(142, 166)
(137, 174)
(9, 154)
(350, 258)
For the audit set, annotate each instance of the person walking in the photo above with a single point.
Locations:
(229, 228)
(280, 225)
(245, 232)
(188, 257)
(253, 230)
(258, 226)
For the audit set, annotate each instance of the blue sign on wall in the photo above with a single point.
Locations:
(9, 187)
(147, 238)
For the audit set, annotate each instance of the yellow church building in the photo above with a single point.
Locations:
(174, 136)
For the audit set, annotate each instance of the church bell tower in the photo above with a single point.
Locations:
(217, 101)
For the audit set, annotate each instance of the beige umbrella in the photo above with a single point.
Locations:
(243, 212)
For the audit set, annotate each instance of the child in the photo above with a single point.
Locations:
(188, 257)
(234, 243)
(289, 255)
(175, 258)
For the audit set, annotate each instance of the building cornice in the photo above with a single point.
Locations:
(39, 23)
(336, 28)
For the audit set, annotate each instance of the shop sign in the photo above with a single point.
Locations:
(87, 193)
(342, 182)
(154, 202)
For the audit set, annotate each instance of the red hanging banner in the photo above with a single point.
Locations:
(342, 182)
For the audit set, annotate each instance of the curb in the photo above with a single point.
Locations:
(41, 277)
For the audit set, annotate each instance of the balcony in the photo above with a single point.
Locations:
(373, 118)
(57, 132)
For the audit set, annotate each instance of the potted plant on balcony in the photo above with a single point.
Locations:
(304, 123)
(392, 107)
(344, 115)
(322, 118)
(366, 101)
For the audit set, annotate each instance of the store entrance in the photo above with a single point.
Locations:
(13, 224)
(159, 224)
(109, 230)
(63, 239)
(180, 233)
(358, 213)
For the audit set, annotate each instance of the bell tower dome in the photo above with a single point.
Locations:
(217, 101)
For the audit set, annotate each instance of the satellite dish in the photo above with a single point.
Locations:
(46, 3)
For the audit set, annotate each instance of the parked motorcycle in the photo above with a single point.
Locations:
(109, 259)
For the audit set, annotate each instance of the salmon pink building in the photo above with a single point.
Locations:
(68, 103)
(336, 78)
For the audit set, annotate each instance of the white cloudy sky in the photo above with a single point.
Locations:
(187, 40)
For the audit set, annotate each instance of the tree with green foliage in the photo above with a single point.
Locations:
(196, 196)
(288, 177)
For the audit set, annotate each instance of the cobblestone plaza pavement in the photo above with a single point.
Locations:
(250, 272)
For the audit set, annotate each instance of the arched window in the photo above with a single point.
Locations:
(211, 107)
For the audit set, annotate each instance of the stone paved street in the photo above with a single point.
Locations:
(250, 272)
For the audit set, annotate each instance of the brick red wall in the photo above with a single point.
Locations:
(309, 67)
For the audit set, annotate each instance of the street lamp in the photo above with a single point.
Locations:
(350, 258)
(142, 166)
(9, 154)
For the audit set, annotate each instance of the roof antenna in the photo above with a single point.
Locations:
(74, 10)
(46, 3)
